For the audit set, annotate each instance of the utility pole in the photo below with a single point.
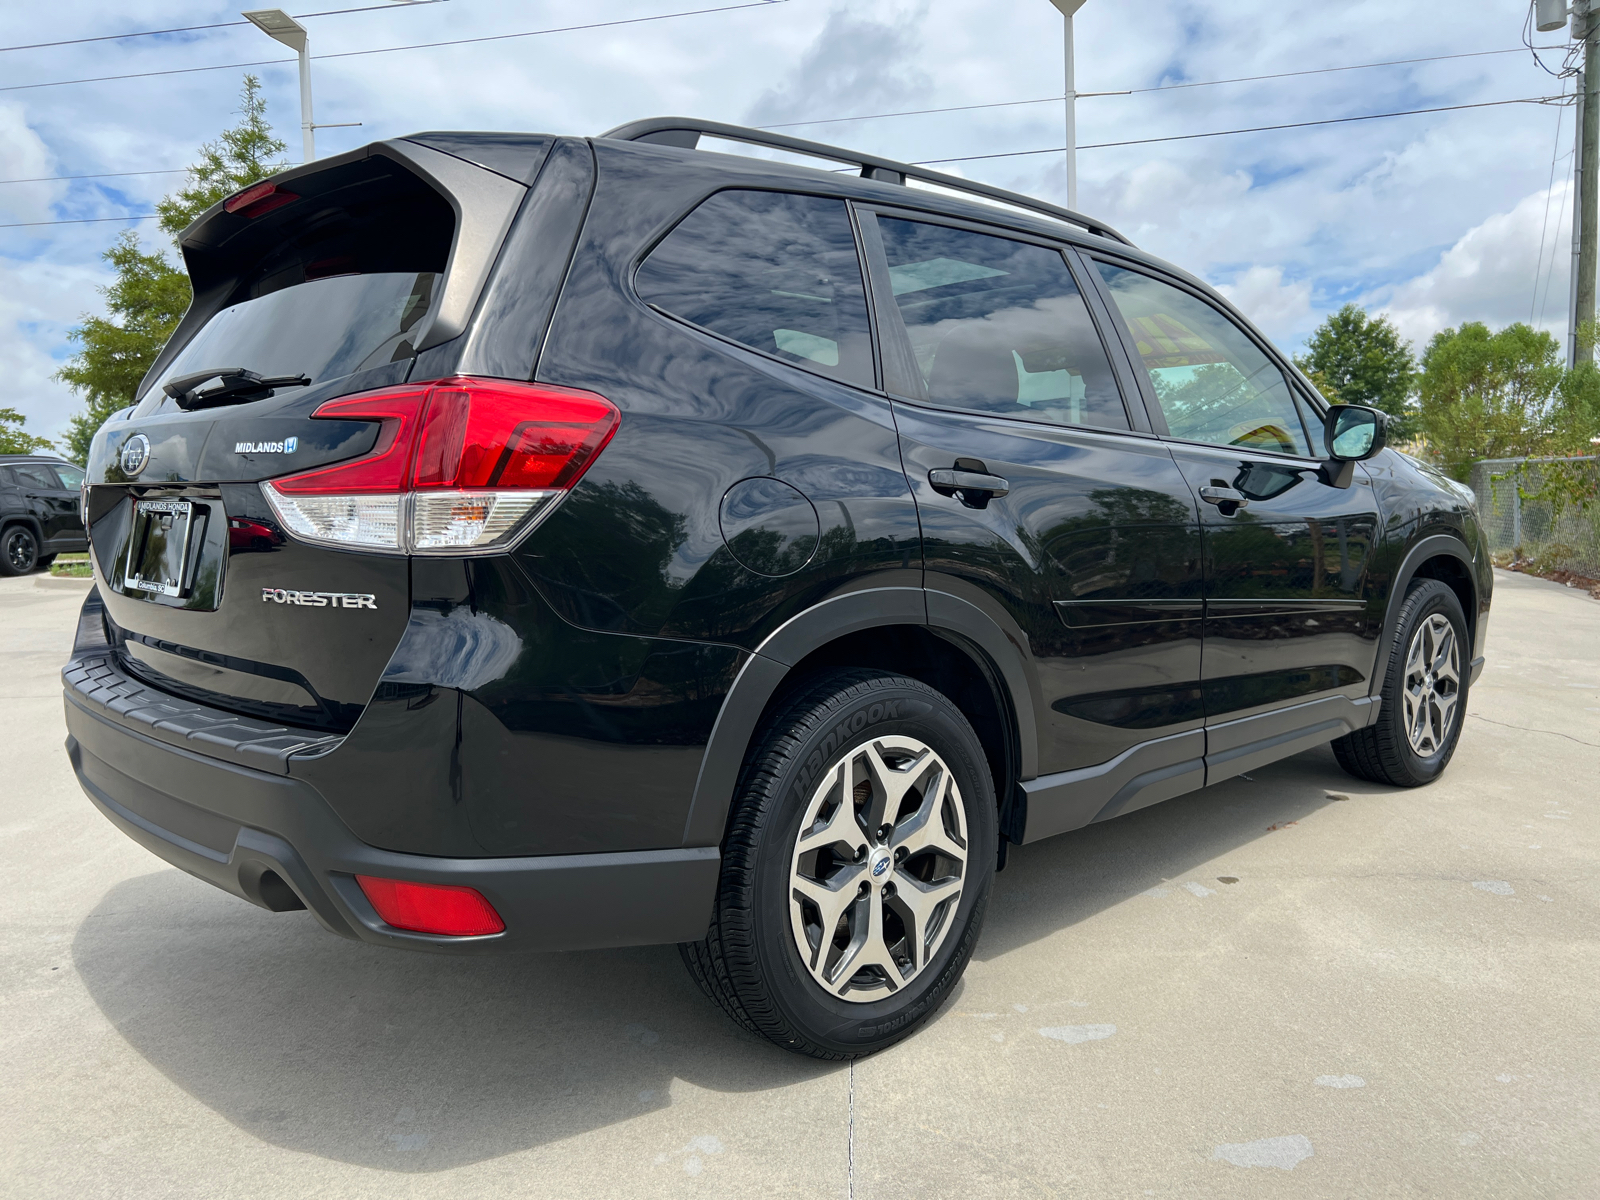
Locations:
(1068, 8)
(1549, 16)
(1588, 167)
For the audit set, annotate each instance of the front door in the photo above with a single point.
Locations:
(1043, 503)
(1287, 631)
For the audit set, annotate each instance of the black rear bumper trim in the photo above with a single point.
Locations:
(280, 831)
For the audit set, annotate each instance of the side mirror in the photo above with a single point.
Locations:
(1351, 433)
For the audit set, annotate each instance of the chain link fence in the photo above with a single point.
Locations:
(1517, 520)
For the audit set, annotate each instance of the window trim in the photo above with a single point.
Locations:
(903, 382)
(631, 277)
(1158, 416)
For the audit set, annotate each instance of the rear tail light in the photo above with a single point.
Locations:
(431, 907)
(459, 465)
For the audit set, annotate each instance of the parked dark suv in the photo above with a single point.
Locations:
(537, 542)
(40, 513)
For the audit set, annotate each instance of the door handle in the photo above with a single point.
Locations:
(1230, 500)
(973, 488)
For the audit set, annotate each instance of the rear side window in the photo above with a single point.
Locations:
(770, 270)
(999, 326)
(71, 478)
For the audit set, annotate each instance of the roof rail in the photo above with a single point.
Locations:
(686, 132)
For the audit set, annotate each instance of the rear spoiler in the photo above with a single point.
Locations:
(221, 247)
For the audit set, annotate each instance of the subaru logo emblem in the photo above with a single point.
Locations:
(879, 867)
(881, 862)
(135, 455)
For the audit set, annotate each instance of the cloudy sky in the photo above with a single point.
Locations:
(1435, 218)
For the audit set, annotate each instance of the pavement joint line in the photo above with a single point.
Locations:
(1529, 729)
(850, 1157)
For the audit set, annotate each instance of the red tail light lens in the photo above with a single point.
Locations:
(461, 464)
(431, 907)
(491, 437)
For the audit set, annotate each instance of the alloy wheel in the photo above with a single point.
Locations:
(21, 552)
(877, 869)
(1432, 686)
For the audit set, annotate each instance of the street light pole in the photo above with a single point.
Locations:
(281, 27)
(1068, 8)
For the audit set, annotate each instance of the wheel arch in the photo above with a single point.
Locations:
(953, 647)
(1442, 557)
(28, 520)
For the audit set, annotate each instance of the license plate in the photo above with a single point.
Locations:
(159, 550)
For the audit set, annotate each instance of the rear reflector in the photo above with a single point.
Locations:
(458, 465)
(431, 907)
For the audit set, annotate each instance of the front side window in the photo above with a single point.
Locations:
(770, 270)
(1212, 381)
(999, 326)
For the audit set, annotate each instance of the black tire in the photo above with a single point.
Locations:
(1383, 752)
(749, 963)
(19, 551)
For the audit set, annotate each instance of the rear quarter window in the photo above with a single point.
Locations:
(770, 270)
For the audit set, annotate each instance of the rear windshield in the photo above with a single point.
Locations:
(324, 329)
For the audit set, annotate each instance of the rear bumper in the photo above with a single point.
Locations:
(273, 840)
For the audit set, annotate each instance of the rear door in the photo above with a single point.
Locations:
(66, 507)
(1041, 499)
(1287, 634)
(43, 494)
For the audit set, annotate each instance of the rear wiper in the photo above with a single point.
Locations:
(236, 386)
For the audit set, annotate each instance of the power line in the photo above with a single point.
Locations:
(1184, 137)
(117, 37)
(106, 175)
(1544, 223)
(1165, 87)
(497, 37)
(1180, 137)
(79, 221)
(825, 120)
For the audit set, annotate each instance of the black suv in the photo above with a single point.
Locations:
(40, 511)
(535, 542)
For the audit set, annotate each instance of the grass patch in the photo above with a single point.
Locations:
(72, 566)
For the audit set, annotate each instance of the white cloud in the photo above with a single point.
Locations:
(1280, 309)
(1488, 275)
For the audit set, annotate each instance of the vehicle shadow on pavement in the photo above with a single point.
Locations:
(1056, 883)
(422, 1063)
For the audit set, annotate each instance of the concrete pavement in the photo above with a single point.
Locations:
(1290, 984)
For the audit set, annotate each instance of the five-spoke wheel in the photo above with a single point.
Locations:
(877, 868)
(856, 867)
(1433, 684)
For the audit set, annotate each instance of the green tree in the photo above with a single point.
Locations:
(240, 157)
(1363, 359)
(14, 440)
(143, 305)
(149, 295)
(1494, 395)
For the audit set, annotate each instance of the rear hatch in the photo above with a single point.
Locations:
(320, 283)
